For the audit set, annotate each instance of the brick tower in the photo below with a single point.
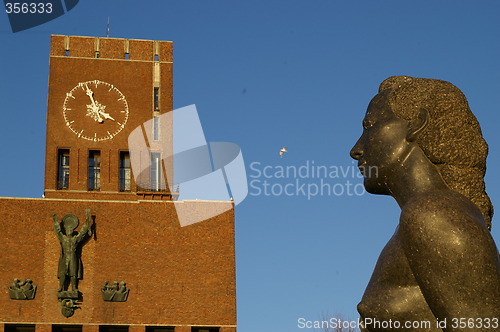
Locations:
(100, 89)
(168, 278)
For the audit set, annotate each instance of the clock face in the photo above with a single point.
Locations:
(95, 110)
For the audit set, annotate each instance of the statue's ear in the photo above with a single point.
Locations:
(417, 125)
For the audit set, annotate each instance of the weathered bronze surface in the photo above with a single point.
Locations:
(68, 307)
(115, 293)
(70, 263)
(22, 290)
(422, 145)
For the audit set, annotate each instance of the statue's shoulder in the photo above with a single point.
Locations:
(440, 204)
(441, 214)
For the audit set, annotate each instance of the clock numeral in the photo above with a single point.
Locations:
(123, 111)
(121, 98)
(80, 134)
(70, 95)
(111, 88)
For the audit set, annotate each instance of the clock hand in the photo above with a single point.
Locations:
(90, 93)
(99, 119)
(106, 115)
(96, 111)
(95, 105)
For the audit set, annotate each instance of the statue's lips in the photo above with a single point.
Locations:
(361, 167)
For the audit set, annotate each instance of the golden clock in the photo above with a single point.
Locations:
(95, 110)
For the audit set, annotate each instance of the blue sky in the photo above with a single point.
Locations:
(267, 74)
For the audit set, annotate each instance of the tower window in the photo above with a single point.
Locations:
(156, 128)
(157, 57)
(19, 328)
(63, 169)
(127, 56)
(155, 171)
(66, 53)
(96, 54)
(125, 171)
(113, 328)
(160, 329)
(66, 328)
(94, 178)
(156, 98)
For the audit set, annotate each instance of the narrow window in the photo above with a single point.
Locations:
(126, 56)
(96, 54)
(156, 128)
(157, 58)
(157, 98)
(94, 170)
(66, 53)
(113, 328)
(125, 171)
(63, 169)
(160, 329)
(66, 328)
(155, 171)
(19, 328)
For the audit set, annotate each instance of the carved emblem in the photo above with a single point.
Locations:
(22, 290)
(114, 293)
(68, 307)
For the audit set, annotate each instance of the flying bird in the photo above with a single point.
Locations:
(282, 151)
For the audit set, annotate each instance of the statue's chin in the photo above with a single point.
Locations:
(373, 186)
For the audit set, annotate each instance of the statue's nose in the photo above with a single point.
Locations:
(356, 151)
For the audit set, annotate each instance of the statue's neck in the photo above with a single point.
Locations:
(415, 176)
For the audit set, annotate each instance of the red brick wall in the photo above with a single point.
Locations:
(176, 275)
(137, 328)
(43, 328)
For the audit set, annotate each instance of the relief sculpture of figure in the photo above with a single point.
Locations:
(115, 293)
(70, 264)
(22, 290)
(422, 145)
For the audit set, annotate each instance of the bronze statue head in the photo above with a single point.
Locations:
(431, 115)
(70, 223)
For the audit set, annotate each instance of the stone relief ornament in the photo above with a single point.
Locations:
(68, 307)
(114, 293)
(22, 290)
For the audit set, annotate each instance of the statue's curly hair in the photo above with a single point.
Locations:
(452, 139)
